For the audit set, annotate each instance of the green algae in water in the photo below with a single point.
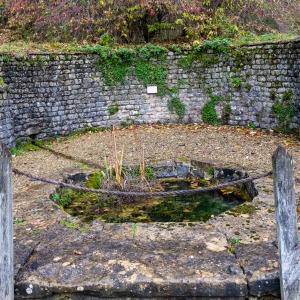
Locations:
(169, 209)
(90, 206)
(190, 208)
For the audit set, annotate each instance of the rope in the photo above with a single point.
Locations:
(143, 194)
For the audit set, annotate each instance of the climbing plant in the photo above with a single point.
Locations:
(177, 106)
(200, 53)
(284, 109)
(208, 112)
(146, 63)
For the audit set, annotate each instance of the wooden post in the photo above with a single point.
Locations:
(286, 218)
(6, 227)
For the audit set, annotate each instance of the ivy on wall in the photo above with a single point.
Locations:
(284, 109)
(148, 64)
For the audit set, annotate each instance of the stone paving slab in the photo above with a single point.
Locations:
(261, 266)
(91, 262)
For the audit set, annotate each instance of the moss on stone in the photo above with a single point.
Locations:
(242, 209)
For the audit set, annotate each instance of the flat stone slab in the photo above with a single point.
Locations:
(113, 262)
(261, 266)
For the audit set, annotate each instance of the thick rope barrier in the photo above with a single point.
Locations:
(142, 194)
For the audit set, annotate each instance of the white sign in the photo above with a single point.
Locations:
(152, 89)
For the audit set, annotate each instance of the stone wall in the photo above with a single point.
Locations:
(54, 94)
(6, 117)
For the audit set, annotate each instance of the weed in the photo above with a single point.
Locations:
(252, 125)
(134, 229)
(181, 82)
(113, 109)
(208, 112)
(40, 60)
(199, 53)
(107, 40)
(37, 200)
(273, 95)
(115, 64)
(234, 240)
(153, 51)
(248, 87)
(95, 180)
(284, 110)
(74, 225)
(127, 123)
(118, 162)
(217, 45)
(177, 106)
(176, 49)
(64, 198)
(19, 221)
(149, 73)
(4, 58)
(210, 171)
(173, 90)
(54, 196)
(23, 146)
(148, 172)
(236, 82)
(226, 114)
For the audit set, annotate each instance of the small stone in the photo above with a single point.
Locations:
(214, 247)
(57, 258)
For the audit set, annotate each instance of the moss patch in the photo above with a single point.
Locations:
(242, 209)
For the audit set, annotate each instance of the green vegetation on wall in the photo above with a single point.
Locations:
(284, 110)
(236, 82)
(113, 109)
(208, 112)
(175, 105)
(149, 73)
(200, 53)
(2, 81)
(226, 114)
(4, 58)
(146, 63)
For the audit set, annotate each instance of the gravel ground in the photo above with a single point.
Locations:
(243, 147)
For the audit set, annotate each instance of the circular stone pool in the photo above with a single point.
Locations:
(158, 176)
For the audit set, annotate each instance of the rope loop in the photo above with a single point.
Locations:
(142, 194)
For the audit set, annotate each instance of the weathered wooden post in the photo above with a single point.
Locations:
(6, 227)
(286, 218)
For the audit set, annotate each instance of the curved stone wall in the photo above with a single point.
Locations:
(53, 94)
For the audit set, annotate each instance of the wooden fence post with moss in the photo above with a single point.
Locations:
(286, 218)
(6, 226)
